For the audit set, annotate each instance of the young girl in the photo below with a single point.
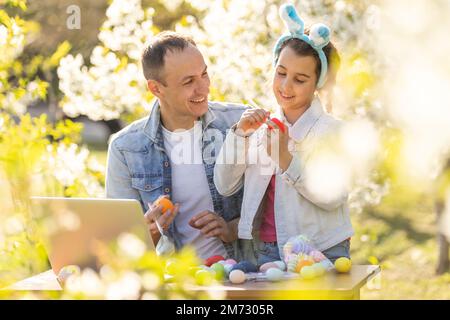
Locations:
(284, 202)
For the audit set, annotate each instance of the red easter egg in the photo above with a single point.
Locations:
(211, 260)
(279, 124)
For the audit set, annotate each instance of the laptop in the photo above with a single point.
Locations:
(76, 229)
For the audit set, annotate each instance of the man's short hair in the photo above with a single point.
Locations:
(154, 53)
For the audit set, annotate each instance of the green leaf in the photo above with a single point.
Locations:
(62, 50)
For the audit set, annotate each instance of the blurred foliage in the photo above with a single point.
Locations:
(25, 145)
(36, 157)
(48, 40)
(36, 154)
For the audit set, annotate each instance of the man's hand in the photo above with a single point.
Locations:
(164, 220)
(211, 225)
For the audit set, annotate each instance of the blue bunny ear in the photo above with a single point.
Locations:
(319, 34)
(293, 22)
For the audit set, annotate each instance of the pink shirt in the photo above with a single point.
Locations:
(268, 232)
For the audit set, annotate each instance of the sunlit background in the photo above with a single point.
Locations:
(64, 90)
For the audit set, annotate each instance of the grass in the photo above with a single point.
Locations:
(400, 235)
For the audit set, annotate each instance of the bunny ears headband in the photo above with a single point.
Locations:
(319, 37)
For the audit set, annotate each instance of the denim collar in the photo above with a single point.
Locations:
(152, 127)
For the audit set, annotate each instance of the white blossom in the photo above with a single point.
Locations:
(125, 288)
(107, 89)
(131, 246)
(72, 164)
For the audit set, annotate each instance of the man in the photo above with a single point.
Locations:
(172, 152)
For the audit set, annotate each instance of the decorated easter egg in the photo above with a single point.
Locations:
(308, 272)
(237, 276)
(230, 261)
(297, 247)
(227, 268)
(302, 238)
(327, 264)
(274, 274)
(287, 249)
(317, 255)
(211, 260)
(165, 203)
(245, 266)
(302, 247)
(278, 123)
(319, 269)
(219, 270)
(343, 265)
(281, 265)
(193, 270)
(291, 266)
(266, 266)
(292, 257)
(204, 277)
(303, 263)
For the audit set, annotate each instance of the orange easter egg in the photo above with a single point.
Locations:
(303, 263)
(165, 203)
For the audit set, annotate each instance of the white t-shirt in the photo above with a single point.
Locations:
(190, 187)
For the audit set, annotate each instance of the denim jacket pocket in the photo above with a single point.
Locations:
(149, 187)
(147, 184)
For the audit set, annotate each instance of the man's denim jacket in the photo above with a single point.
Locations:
(139, 168)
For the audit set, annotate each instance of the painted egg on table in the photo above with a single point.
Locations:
(343, 265)
(281, 265)
(245, 266)
(211, 260)
(237, 276)
(327, 264)
(287, 248)
(219, 269)
(317, 255)
(319, 269)
(227, 268)
(193, 270)
(308, 272)
(204, 277)
(274, 274)
(230, 261)
(297, 247)
(266, 266)
(303, 263)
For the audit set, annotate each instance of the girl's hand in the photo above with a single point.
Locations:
(277, 146)
(251, 120)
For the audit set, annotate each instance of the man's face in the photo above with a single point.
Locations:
(186, 80)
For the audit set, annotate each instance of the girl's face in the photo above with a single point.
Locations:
(295, 79)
